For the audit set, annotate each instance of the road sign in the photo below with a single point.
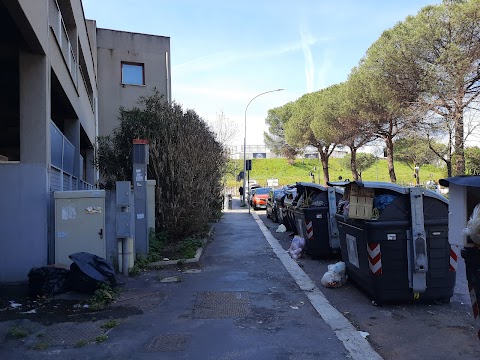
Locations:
(272, 182)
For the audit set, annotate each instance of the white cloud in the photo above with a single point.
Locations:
(219, 59)
(306, 41)
(326, 67)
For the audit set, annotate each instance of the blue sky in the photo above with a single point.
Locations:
(224, 53)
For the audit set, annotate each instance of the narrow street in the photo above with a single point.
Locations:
(400, 331)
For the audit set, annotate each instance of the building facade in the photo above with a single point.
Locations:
(53, 86)
(130, 65)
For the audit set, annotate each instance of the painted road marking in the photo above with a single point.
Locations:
(357, 346)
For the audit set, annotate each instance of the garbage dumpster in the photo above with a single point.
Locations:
(287, 207)
(315, 218)
(464, 231)
(394, 241)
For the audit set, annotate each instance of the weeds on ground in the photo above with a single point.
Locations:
(18, 332)
(102, 297)
(42, 345)
(81, 343)
(110, 324)
(101, 338)
(161, 248)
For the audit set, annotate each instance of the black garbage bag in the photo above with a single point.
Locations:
(48, 281)
(88, 272)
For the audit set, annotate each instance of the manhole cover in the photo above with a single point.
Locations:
(168, 342)
(72, 333)
(144, 300)
(222, 304)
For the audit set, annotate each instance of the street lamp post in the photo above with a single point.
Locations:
(245, 144)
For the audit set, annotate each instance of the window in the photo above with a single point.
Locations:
(133, 73)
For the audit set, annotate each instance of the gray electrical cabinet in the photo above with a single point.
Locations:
(79, 224)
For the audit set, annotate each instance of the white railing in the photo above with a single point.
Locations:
(87, 88)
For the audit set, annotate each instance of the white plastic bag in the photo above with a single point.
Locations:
(473, 226)
(281, 228)
(296, 247)
(335, 276)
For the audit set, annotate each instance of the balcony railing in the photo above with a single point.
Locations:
(59, 29)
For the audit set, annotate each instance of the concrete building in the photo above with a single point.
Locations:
(52, 89)
(130, 65)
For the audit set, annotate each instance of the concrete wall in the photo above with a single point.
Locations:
(32, 18)
(23, 220)
(113, 47)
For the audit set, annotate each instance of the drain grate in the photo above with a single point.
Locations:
(143, 300)
(168, 342)
(72, 333)
(222, 304)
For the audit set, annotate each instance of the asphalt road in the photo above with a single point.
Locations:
(401, 331)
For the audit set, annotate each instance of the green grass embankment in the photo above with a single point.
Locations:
(263, 169)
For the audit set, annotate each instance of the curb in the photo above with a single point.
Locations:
(194, 260)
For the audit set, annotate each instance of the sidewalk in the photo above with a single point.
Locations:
(242, 304)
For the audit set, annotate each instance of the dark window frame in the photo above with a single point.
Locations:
(135, 64)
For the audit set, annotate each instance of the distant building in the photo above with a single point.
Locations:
(251, 152)
(130, 65)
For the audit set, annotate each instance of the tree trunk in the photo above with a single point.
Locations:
(391, 167)
(353, 163)
(449, 168)
(459, 144)
(324, 161)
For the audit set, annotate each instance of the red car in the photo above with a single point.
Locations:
(259, 198)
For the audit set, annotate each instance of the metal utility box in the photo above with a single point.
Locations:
(402, 252)
(79, 224)
(315, 218)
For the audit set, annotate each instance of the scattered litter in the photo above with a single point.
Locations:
(48, 281)
(301, 302)
(294, 307)
(165, 259)
(170, 279)
(281, 228)
(364, 334)
(14, 305)
(33, 311)
(335, 276)
(296, 247)
(192, 271)
(86, 306)
(88, 271)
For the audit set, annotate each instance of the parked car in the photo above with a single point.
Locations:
(275, 196)
(259, 198)
(251, 192)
